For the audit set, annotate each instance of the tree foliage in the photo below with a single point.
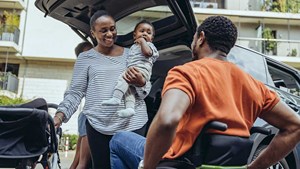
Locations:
(291, 6)
(5, 101)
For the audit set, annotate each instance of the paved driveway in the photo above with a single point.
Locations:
(65, 158)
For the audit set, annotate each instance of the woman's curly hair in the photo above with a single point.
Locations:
(220, 33)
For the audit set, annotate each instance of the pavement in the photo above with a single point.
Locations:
(66, 159)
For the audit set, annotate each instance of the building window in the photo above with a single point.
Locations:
(208, 4)
(13, 68)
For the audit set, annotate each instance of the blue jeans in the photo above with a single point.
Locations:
(81, 125)
(126, 150)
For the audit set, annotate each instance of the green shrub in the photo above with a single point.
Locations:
(269, 44)
(294, 52)
(5, 101)
(72, 140)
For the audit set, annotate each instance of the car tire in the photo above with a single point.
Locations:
(282, 164)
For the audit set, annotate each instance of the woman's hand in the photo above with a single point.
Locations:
(58, 119)
(134, 76)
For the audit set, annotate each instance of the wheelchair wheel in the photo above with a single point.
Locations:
(282, 164)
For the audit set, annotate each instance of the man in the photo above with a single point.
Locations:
(208, 88)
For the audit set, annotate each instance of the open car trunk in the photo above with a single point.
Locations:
(173, 20)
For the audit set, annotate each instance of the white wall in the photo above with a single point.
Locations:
(244, 5)
(47, 80)
(47, 37)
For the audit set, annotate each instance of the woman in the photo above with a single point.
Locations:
(95, 74)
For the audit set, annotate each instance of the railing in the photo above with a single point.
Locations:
(275, 47)
(205, 4)
(9, 33)
(9, 82)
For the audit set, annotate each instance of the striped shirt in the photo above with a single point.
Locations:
(95, 76)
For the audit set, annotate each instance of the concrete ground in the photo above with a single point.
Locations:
(66, 158)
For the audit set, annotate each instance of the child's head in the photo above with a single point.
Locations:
(144, 29)
(83, 46)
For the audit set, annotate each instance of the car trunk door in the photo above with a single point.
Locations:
(173, 20)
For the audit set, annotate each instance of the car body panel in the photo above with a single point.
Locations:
(259, 68)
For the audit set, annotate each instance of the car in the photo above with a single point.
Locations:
(175, 24)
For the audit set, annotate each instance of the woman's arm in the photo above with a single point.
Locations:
(75, 93)
(134, 76)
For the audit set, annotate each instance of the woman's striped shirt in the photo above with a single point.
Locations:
(95, 76)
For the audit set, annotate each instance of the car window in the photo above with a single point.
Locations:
(152, 14)
(251, 62)
(284, 80)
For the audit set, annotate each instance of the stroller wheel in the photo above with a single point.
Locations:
(26, 164)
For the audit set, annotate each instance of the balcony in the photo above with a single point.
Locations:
(9, 38)
(272, 47)
(9, 82)
(12, 4)
(289, 6)
(287, 51)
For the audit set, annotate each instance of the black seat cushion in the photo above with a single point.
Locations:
(226, 150)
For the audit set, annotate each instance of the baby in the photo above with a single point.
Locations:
(142, 55)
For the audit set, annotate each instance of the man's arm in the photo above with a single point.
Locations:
(282, 117)
(162, 130)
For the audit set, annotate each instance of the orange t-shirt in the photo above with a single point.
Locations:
(218, 90)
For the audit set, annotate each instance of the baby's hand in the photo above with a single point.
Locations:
(140, 40)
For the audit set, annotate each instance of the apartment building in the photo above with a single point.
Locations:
(37, 54)
(268, 26)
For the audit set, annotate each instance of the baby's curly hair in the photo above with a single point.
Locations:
(220, 33)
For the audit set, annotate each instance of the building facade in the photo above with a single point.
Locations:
(36, 54)
(268, 26)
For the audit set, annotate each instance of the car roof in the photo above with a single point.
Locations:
(174, 29)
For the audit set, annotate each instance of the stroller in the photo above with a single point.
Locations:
(28, 136)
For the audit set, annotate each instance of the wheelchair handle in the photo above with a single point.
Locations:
(52, 105)
(217, 125)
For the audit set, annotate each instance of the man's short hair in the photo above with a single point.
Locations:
(220, 33)
(80, 47)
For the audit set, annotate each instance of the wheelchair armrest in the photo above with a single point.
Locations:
(217, 125)
(261, 130)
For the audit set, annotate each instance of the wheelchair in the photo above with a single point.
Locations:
(28, 136)
(209, 152)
